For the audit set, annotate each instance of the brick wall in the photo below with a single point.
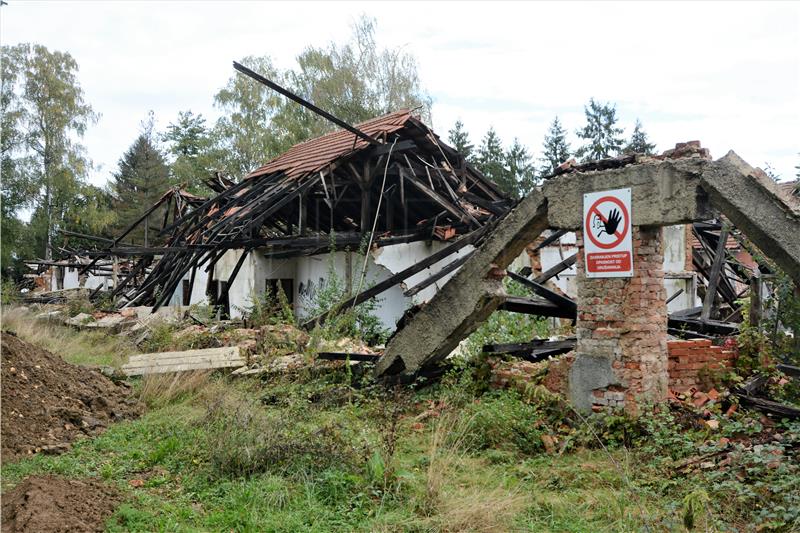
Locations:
(692, 362)
(625, 320)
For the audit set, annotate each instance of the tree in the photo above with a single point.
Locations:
(459, 139)
(189, 146)
(521, 169)
(491, 159)
(601, 134)
(355, 81)
(639, 143)
(555, 149)
(46, 164)
(142, 178)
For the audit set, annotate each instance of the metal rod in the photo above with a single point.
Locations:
(305, 103)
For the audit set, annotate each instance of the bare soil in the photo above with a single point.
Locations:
(47, 403)
(48, 504)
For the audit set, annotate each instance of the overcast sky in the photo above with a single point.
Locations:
(727, 74)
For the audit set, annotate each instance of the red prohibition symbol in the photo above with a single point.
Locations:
(619, 233)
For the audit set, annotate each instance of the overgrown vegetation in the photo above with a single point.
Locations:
(323, 451)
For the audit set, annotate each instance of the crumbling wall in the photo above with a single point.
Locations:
(694, 361)
(621, 354)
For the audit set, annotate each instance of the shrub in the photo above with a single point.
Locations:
(9, 293)
(503, 420)
(76, 306)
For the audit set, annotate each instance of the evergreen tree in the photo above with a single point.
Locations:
(555, 149)
(142, 178)
(491, 159)
(521, 169)
(459, 139)
(639, 143)
(601, 134)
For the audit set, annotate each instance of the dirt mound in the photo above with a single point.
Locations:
(47, 402)
(49, 504)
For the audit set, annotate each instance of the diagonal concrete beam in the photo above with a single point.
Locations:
(752, 202)
(469, 297)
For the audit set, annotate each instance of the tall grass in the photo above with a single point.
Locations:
(89, 348)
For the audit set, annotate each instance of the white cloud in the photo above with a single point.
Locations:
(727, 74)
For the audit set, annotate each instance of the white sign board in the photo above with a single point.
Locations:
(607, 231)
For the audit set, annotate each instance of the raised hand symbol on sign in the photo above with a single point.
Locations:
(609, 225)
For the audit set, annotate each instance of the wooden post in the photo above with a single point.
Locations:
(303, 215)
(716, 270)
(755, 300)
(115, 272)
(365, 205)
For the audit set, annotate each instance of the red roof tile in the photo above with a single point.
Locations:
(313, 155)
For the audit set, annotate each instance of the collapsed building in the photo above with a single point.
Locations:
(304, 216)
(437, 240)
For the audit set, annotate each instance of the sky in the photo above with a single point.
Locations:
(724, 73)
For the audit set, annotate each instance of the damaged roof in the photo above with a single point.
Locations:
(315, 154)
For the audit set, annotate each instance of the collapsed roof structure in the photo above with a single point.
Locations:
(331, 191)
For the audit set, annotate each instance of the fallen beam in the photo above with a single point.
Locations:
(344, 356)
(753, 205)
(535, 306)
(469, 297)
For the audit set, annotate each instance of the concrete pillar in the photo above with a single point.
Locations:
(621, 355)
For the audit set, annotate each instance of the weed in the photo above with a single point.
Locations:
(158, 390)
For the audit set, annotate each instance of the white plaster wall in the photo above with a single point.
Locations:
(93, 281)
(314, 270)
(71, 278)
(686, 299)
(674, 241)
(398, 257)
(551, 256)
(198, 289)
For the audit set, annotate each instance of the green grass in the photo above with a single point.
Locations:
(311, 454)
(172, 449)
(88, 348)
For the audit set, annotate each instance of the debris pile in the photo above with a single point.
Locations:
(48, 504)
(47, 403)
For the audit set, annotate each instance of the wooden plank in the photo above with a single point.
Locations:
(211, 358)
(534, 306)
(561, 301)
(555, 270)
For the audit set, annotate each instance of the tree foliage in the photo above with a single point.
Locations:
(512, 170)
(354, 81)
(141, 179)
(639, 143)
(521, 168)
(601, 135)
(458, 137)
(555, 148)
(44, 165)
(190, 150)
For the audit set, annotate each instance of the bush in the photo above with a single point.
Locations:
(359, 322)
(76, 306)
(9, 293)
(503, 420)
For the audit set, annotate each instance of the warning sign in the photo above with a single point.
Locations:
(607, 234)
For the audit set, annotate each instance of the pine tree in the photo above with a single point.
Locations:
(521, 169)
(491, 159)
(555, 149)
(601, 133)
(142, 178)
(639, 143)
(459, 139)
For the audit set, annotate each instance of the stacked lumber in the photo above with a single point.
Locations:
(164, 362)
